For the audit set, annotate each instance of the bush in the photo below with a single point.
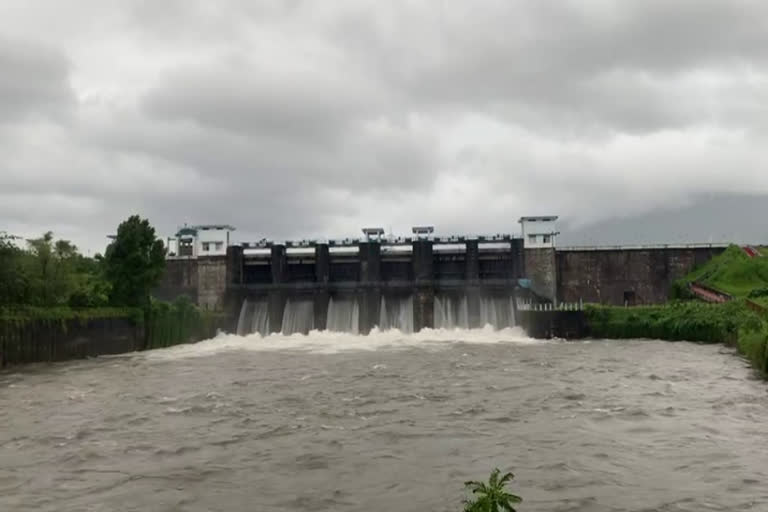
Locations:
(680, 291)
(178, 322)
(758, 292)
(491, 496)
(731, 323)
(754, 345)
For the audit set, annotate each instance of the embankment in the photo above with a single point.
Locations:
(30, 335)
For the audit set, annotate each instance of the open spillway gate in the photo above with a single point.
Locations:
(354, 286)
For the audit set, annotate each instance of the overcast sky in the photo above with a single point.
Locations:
(293, 118)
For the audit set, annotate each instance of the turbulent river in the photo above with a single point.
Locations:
(387, 422)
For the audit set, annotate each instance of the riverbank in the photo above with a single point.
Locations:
(732, 323)
(32, 334)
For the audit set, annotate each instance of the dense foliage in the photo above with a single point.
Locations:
(45, 272)
(31, 314)
(179, 322)
(46, 283)
(134, 262)
(491, 496)
(732, 323)
(691, 321)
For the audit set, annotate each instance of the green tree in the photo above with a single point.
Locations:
(14, 281)
(134, 263)
(51, 266)
(491, 497)
(91, 287)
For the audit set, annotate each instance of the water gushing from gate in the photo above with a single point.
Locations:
(396, 313)
(343, 315)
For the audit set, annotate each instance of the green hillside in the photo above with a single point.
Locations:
(734, 272)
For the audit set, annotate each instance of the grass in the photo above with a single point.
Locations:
(733, 272)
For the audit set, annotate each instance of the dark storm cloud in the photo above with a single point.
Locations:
(33, 81)
(255, 100)
(622, 65)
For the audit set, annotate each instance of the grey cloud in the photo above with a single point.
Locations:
(369, 158)
(33, 81)
(256, 100)
(312, 118)
(577, 62)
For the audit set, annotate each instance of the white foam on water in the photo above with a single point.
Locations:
(330, 342)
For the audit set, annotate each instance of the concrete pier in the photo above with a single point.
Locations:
(423, 276)
(322, 278)
(322, 264)
(369, 296)
(423, 308)
(277, 296)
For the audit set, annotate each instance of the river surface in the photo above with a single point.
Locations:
(388, 422)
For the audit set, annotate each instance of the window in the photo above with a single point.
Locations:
(546, 239)
(219, 246)
(532, 239)
(206, 246)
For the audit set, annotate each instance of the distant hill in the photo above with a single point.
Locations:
(720, 218)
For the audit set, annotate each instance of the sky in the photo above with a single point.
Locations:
(298, 118)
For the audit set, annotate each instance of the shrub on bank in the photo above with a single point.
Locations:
(37, 334)
(732, 323)
(754, 345)
(691, 321)
(26, 314)
(172, 323)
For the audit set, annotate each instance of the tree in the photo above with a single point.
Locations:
(51, 267)
(92, 289)
(491, 497)
(134, 262)
(14, 281)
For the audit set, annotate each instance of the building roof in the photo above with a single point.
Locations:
(543, 218)
(186, 230)
(192, 230)
(205, 227)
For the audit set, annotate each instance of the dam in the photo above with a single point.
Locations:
(354, 285)
(410, 283)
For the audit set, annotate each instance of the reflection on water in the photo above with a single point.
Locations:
(386, 422)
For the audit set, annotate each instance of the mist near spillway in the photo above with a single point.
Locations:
(335, 421)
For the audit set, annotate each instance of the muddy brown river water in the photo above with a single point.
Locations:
(388, 422)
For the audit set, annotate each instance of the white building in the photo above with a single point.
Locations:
(202, 240)
(539, 232)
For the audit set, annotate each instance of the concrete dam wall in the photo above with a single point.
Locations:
(356, 287)
(627, 275)
(409, 285)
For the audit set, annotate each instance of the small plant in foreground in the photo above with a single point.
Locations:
(491, 496)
